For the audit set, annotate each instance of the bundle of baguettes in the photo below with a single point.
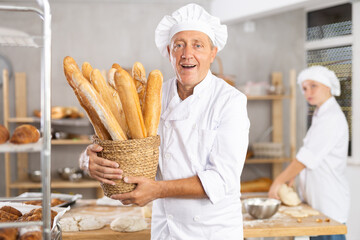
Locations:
(122, 106)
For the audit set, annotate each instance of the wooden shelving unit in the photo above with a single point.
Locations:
(70, 142)
(267, 160)
(56, 183)
(277, 122)
(22, 182)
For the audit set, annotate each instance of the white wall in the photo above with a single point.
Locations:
(100, 32)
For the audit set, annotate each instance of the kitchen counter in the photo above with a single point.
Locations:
(280, 224)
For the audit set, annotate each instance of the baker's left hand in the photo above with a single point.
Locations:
(274, 189)
(146, 191)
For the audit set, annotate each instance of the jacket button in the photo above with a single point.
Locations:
(170, 217)
(196, 218)
(167, 156)
(167, 125)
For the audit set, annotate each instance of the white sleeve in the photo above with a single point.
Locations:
(324, 137)
(222, 173)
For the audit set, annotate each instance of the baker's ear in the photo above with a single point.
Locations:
(168, 49)
(213, 53)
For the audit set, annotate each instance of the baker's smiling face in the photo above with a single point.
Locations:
(191, 54)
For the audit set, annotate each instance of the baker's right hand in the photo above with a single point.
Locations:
(99, 168)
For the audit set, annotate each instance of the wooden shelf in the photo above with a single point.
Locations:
(71, 142)
(21, 120)
(55, 184)
(78, 122)
(29, 147)
(266, 160)
(268, 97)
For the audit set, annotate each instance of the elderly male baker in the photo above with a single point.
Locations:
(204, 131)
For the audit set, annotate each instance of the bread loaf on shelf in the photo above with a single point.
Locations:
(152, 104)
(33, 235)
(11, 210)
(8, 233)
(257, 185)
(126, 89)
(25, 134)
(4, 134)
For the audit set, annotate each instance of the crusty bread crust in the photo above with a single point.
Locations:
(125, 87)
(152, 105)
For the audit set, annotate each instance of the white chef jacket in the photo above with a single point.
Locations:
(323, 184)
(206, 135)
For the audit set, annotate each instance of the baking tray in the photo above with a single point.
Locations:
(25, 208)
(68, 198)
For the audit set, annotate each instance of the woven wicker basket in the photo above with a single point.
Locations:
(136, 157)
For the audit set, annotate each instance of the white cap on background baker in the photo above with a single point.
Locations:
(322, 75)
(191, 17)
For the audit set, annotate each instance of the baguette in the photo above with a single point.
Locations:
(110, 77)
(116, 66)
(95, 120)
(139, 76)
(114, 93)
(152, 104)
(105, 92)
(120, 109)
(101, 108)
(125, 87)
(86, 70)
(70, 67)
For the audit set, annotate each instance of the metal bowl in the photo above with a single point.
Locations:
(72, 174)
(35, 176)
(261, 208)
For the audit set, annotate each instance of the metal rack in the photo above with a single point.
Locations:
(23, 40)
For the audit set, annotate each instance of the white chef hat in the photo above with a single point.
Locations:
(322, 75)
(187, 18)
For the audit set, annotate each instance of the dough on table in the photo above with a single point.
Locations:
(296, 213)
(146, 211)
(128, 224)
(288, 196)
(81, 223)
(311, 212)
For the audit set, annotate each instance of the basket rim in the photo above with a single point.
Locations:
(96, 138)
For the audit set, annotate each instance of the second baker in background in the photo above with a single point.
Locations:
(204, 131)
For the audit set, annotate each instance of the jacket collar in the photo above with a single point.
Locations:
(325, 106)
(180, 110)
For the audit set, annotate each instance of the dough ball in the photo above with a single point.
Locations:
(128, 224)
(69, 224)
(288, 196)
(89, 223)
(81, 223)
